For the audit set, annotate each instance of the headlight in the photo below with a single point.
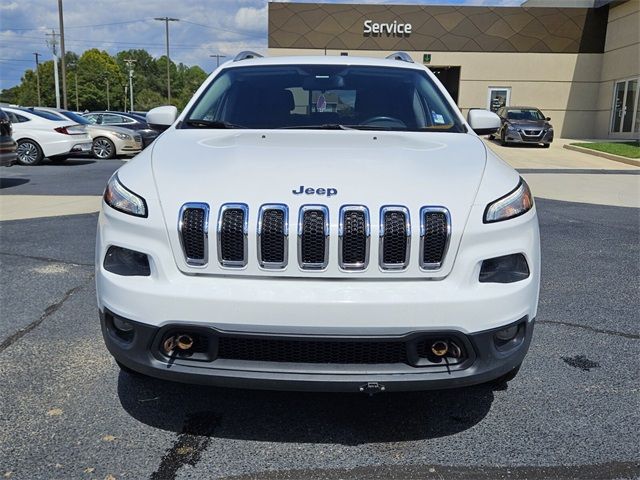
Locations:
(117, 196)
(513, 204)
(124, 136)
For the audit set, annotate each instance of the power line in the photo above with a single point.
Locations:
(79, 26)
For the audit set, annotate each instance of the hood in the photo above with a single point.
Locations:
(353, 167)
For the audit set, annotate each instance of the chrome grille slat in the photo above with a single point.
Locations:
(435, 233)
(353, 237)
(232, 232)
(313, 237)
(193, 231)
(273, 236)
(395, 237)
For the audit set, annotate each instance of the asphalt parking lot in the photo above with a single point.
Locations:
(66, 411)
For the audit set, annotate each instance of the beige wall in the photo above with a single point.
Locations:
(564, 86)
(620, 61)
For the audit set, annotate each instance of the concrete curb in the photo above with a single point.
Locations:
(608, 156)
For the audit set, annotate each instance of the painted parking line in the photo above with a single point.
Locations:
(18, 207)
(615, 190)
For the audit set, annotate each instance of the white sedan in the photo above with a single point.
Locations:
(41, 134)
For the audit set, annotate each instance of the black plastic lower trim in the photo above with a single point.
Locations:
(486, 360)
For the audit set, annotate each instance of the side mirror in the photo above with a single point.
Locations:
(548, 119)
(162, 118)
(483, 122)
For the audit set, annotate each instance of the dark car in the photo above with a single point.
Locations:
(126, 120)
(524, 125)
(7, 144)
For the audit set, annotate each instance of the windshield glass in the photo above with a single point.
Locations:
(525, 114)
(323, 96)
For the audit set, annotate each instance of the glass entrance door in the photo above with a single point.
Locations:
(498, 97)
(625, 117)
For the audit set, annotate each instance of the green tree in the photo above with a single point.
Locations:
(95, 68)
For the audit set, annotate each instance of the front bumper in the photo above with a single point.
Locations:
(518, 136)
(485, 360)
(319, 308)
(128, 147)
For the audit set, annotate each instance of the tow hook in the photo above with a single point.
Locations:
(371, 388)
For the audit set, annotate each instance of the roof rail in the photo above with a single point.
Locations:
(246, 55)
(402, 56)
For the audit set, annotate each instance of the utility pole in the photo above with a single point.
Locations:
(108, 103)
(217, 57)
(38, 77)
(130, 62)
(125, 98)
(166, 21)
(53, 44)
(62, 55)
(75, 72)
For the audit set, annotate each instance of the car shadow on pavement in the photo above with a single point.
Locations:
(12, 182)
(302, 417)
(71, 162)
(496, 141)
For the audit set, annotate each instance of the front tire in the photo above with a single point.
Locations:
(503, 140)
(546, 145)
(103, 148)
(29, 152)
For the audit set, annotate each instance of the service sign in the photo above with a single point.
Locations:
(394, 29)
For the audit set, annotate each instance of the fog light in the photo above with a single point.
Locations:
(122, 325)
(507, 334)
(506, 269)
(123, 261)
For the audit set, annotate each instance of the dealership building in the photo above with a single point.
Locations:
(578, 61)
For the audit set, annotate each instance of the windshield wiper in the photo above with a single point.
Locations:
(198, 123)
(324, 126)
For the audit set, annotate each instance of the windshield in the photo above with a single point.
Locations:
(525, 114)
(323, 96)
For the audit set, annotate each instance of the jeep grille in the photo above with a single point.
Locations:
(354, 230)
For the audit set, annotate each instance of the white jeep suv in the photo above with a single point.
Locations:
(319, 223)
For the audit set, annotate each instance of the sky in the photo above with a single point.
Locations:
(206, 27)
